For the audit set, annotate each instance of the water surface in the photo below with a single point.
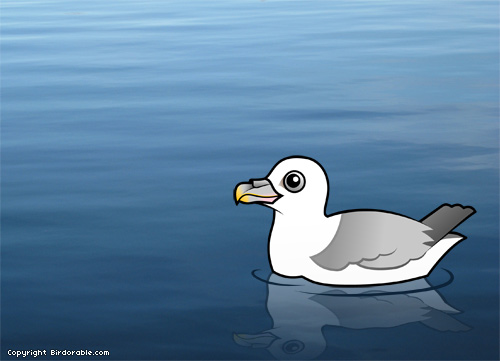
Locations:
(126, 126)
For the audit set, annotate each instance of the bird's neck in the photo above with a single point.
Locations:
(300, 217)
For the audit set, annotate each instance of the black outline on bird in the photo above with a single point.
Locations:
(351, 248)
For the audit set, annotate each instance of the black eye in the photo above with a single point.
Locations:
(294, 181)
(292, 346)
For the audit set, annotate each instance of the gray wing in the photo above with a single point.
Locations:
(375, 240)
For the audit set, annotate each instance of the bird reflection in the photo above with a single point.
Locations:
(300, 309)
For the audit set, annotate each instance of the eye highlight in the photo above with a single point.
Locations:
(294, 181)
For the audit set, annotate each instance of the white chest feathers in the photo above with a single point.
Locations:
(294, 240)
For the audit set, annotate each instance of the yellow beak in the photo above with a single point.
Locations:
(256, 191)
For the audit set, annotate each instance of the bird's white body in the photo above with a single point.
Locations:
(293, 242)
(361, 247)
(292, 239)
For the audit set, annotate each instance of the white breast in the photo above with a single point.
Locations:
(294, 241)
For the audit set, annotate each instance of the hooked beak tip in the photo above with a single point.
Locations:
(256, 191)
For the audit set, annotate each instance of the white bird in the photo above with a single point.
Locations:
(356, 247)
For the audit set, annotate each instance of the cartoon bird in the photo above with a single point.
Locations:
(356, 247)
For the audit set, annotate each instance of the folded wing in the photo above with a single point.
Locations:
(374, 240)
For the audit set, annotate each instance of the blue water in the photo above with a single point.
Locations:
(127, 124)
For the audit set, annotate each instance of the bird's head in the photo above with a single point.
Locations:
(295, 185)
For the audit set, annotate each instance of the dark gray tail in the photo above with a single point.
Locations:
(445, 218)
